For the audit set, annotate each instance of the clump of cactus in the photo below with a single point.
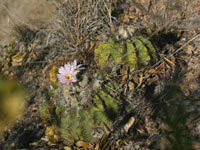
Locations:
(79, 124)
(132, 51)
(88, 106)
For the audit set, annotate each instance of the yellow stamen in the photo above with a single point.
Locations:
(69, 76)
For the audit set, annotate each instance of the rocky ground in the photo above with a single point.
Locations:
(164, 114)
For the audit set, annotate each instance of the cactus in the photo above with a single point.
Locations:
(44, 109)
(131, 57)
(79, 124)
(76, 125)
(91, 105)
(152, 51)
(133, 52)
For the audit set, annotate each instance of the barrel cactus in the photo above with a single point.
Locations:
(88, 106)
(135, 52)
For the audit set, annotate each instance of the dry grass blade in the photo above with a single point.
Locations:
(183, 46)
(77, 23)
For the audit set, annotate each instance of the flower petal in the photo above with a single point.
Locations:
(62, 70)
(75, 63)
(69, 69)
(67, 66)
(74, 79)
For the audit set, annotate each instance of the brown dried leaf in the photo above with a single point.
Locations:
(52, 134)
(34, 144)
(67, 148)
(124, 79)
(17, 60)
(131, 86)
(84, 144)
(179, 33)
(103, 142)
(136, 78)
(169, 61)
(129, 124)
(124, 72)
(97, 147)
(92, 46)
(167, 66)
(152, 80)
(141, 78)
(152, 71)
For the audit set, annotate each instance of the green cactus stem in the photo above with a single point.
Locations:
(133, 52)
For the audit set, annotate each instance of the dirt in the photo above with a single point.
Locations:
(168, 117)
(32, 14)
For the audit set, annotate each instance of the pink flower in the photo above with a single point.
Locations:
(67, 73)
(76, 67)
